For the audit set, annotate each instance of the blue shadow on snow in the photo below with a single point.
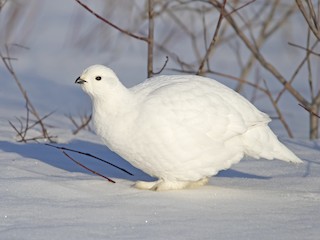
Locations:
(55, 158)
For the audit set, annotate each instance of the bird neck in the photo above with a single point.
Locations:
(112, 104)
(111, 114)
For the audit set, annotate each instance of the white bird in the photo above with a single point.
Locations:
(181, 129)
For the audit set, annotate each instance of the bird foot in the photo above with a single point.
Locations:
(163, 185)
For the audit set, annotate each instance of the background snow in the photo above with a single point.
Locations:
(44, 195)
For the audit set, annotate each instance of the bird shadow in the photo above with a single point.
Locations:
(55, 158)
(230, 173)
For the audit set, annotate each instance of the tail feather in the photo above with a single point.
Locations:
(261, 142)
(283, 153)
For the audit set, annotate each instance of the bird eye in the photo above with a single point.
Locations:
(98, 78)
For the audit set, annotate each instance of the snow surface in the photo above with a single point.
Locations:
(43, 195)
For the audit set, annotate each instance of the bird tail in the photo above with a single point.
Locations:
(261, 142)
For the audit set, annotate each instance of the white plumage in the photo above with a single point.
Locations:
(181, 129)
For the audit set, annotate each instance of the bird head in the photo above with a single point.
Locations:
(98, 80)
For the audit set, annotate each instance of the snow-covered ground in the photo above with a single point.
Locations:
(43, 195)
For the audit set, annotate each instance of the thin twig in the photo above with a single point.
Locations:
(27, 121)
(311, 21)
(304, 48)
(309, 110)
(309, 67)
(242, 6)
(261, 39)
(267, 65)
(174, 57)
(313, 14)
(35, 139)
(256, 86)
(257, 82)
(297, 70)
(40, 120)
(214, 39)
(18, 132)
(84, 123)
(89, 155)
(30, 107)
(142, 38)
(279, 113)
(89, 169)
(164, 65)
(150, 38)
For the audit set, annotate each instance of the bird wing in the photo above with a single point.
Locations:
(202, 105)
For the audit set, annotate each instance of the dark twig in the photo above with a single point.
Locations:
(266, 64)
(89, 169)
(309, 17)
(29, 106)
(18, 132)
(35, 139)
(84, 123)
(241, 80)
(242, 6)
(297, 70)
(214, 39)
(89, 155)
(164, 65)
(150, 38)
(38, 121)
(262, 37)
(142, 38)
(276, 107)
(309, 110)
(304, 48)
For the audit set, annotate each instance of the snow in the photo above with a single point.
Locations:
(43, 195)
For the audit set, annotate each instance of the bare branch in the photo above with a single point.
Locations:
(89, 155)
(310, 17)
(29, 105)
(164, 65)
(142, 38)
(150, 38)
(238, 8)
(309, 110)
(279, 113)
(241, 80)
(309, 67)
(18, 132)
(39, 120)
(304, 48)
(267, 65)
(214, 39)
(296, 72)
(84, 123)
(261, 39)
(89, 169)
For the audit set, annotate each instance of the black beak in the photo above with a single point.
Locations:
(80, 81)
